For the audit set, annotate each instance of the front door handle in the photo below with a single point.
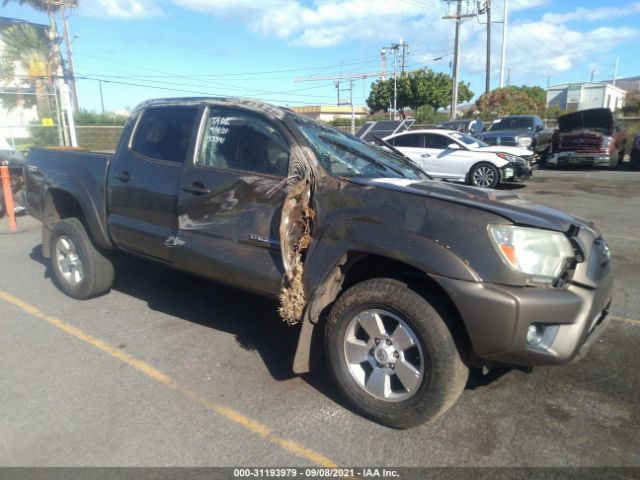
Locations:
(124, 176)
(425, 155)
(196, 188)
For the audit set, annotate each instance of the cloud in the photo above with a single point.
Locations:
(325, 23)
(124, 9)
(592, 15)
(544, 49)
(526, 4)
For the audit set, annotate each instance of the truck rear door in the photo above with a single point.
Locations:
(143, 180)
(230, 200)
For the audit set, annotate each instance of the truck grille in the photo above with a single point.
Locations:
(508, 141)
(580, 142)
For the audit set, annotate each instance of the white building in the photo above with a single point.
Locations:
(582, 96)
(14, 122)
(328, 113)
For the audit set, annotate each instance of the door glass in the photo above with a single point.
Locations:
(243, 141)
(438, 142)
(164, 133)
(411, 140)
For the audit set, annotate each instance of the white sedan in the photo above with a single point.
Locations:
(451, 155)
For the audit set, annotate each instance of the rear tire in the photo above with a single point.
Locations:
(81, 269)
(392, 355)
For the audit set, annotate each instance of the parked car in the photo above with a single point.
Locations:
(526, 131)
(635, 153)
(408, 281)
(451, 155)
(473, 127)
(588, 137)
(15, 161)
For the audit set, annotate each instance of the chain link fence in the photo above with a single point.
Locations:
(94, 137)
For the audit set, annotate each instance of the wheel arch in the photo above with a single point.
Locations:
(59, 204)
(355, 267)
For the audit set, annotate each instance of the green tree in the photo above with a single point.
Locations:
(632, 105)
(511, 100)
(427, 115)
(417, 88)
(24, 61)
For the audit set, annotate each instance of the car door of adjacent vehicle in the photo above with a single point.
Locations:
(143, 180)
(230, 201)
(411, 144)
(443, 162)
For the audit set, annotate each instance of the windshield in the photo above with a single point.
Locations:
(346, 156)
(469, 140)
(512, 123)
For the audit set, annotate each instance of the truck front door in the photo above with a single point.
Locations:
(230, 201)
(143, 180)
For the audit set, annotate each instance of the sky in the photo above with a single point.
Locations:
(268, 49)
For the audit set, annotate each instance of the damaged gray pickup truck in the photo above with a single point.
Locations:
(403, 282)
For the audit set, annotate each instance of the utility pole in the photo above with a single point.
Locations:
(102, 97)
(55, 66)
(615, 71)
(383, 64)
(487, 87)
(504, 42)
(71, 74)
(458, 17)
(350, 77)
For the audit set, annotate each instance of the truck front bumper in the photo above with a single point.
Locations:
(498, 317)
(594, 159)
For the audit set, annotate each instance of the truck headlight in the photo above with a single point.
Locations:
(542, 254)
(524, 142)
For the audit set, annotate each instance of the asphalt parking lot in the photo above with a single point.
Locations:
(170, 370)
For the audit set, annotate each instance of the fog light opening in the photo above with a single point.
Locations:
(535, 334)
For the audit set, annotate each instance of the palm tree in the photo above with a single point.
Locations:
(24, 60)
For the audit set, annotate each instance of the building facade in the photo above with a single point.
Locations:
(328, 113)
(582, 96)
(19, 109)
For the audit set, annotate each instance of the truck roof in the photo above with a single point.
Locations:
(188, 101)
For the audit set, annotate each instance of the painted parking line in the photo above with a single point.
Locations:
(624, 319)
(150, 371)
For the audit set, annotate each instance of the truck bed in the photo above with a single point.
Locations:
(81, 173)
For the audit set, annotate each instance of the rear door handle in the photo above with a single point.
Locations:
(196, 188)
(124, 176)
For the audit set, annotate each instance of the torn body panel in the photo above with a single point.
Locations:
(295, 238)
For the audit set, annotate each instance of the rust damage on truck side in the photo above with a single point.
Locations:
(295, 237)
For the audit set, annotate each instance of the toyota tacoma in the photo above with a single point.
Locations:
(403, 282)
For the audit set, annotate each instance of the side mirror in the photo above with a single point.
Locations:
(453, 146)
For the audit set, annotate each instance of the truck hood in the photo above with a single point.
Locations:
(593, 119)
(507, 205)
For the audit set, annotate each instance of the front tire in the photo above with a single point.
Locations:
(80, 268)
(484, 175)
(392, 355)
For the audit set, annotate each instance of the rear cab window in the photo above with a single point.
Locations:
(164, 133)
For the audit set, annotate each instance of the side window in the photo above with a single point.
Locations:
(243, 141)
(164, 133)
(410, 140)
(438, 142)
